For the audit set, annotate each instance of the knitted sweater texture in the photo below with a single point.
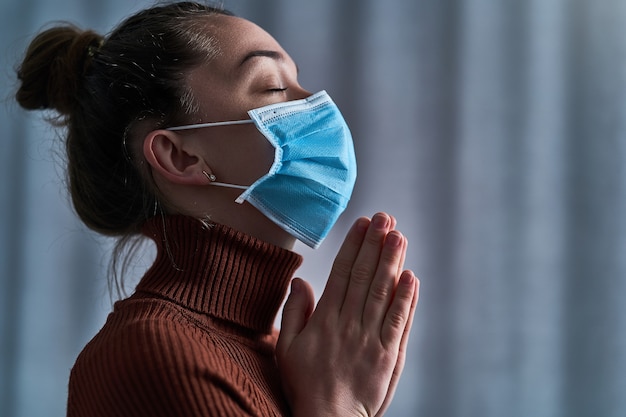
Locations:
(196, 338)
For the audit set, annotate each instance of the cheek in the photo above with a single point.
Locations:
(257, 156)
(241, 155)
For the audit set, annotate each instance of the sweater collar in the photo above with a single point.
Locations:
(219, 271)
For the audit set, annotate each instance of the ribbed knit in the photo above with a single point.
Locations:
(196, 337)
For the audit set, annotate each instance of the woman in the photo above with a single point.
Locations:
(148, 155)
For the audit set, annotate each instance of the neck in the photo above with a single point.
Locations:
(243, 217)
(218, 271)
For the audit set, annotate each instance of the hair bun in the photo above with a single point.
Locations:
(54, 66)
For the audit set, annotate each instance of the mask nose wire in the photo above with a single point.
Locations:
(212, 124)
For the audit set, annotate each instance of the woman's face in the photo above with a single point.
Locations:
(252, 70)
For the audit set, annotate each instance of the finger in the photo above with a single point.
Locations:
(381, 290)
(397, 372)
(404, 250)
(409, 324)
(364, 268)
(296, 313)
(405, 247)
(337, 285)
(399, 317)
(394, 223)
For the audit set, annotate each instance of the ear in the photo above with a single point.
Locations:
(166, 152)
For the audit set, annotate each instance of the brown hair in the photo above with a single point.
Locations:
(102, 89)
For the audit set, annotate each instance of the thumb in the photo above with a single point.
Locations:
(296, 312)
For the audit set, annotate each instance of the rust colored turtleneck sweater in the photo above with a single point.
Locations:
(196, 338)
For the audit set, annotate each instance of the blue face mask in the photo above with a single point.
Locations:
(311, 180)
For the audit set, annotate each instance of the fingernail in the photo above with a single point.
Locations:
(407, 278)
(380, 221)
(361, 225)
(295, 286)
(394, 239)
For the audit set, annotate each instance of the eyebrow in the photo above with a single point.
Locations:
(265, 53)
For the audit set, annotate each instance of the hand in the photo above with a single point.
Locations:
(345, 358)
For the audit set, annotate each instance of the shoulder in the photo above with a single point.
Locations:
(152, 337)
(151, 354)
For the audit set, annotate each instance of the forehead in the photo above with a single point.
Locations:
(236, 36)
(226, 76)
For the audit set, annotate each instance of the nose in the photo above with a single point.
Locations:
(297, 92)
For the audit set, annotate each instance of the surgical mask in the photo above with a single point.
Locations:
(311, 179)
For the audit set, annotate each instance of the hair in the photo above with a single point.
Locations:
(103, 91)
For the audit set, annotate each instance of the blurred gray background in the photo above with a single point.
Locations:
(495, 131)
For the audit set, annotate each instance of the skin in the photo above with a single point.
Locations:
(345, 355)
(239, 80)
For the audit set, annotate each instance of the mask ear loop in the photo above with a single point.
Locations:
(212, 179)
(200, 125)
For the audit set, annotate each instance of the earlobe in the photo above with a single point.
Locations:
(164, 150)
